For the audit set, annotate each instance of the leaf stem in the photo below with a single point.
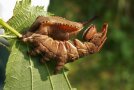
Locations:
(5, 25)
(7, 36)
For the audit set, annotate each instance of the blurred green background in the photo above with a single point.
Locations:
(113, 67)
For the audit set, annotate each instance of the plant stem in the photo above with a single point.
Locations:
(8, 36)
(5, 25)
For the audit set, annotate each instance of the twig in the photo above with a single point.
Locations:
(5, 25)
(8, 36)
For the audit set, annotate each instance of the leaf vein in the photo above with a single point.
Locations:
(49, 77)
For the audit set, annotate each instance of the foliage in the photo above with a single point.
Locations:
(22, 71)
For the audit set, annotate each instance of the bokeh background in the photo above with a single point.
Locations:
(113, 67)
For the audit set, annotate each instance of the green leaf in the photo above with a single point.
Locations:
(24, 72)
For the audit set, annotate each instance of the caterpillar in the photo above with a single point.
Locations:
(66, 51)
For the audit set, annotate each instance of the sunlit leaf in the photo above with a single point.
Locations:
(24, 72)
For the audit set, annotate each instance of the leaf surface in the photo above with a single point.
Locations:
(24, 72)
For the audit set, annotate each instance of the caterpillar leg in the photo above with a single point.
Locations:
(96, 38)
(60, 64)
(44, 59)
(100, 38)
(89, 32)
(35, 51)
(103, 36)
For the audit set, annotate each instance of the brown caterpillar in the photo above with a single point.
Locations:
(66, 51)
